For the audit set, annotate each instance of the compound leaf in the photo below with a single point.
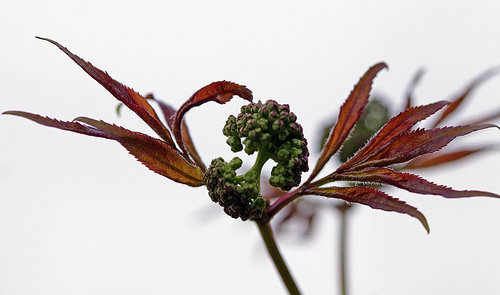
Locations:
(409, 182)
(371, 197)
(133, 100)
(432, 160)
(463, 96)
(350, 112)
(397, 125)
(155, 154)
(410, 145)
(64, 125)
(169, 114)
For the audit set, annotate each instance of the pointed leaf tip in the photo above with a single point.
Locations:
(64, 125)
(432, 160)
(350, 112)
(409, 145)
(400, 124)
(411, 87)
(371, 197)
(410, 182)
(155, 154)
(465, 94)
(133, 100)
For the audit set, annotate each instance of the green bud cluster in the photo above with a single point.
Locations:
(271, 130)
(238, 195)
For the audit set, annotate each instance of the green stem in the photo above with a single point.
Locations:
(256, 169)
(268, 237)
(343, 209)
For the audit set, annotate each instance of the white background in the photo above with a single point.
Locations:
(78, 215)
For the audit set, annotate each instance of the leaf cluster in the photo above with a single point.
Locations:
(271, 129)
(395, 143)
(174, 157)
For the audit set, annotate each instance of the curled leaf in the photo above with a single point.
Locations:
(64, 125)
(397, 125)
(155, 154)
(220, 92)
(409, 182)
(128, 96)
(370, 197)
(349, 114)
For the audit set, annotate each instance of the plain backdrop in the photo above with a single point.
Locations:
(78, 215)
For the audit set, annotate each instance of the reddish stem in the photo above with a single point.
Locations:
(284, 200)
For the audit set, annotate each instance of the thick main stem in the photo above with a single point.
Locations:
(268, 237)
(343, 210)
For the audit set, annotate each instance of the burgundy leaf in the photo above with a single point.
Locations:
(488, 118)
(155, 154)
(220, 92)
(128, 96)
(301, 212)
(64, 125)
(455, 103)
(169, 114)
(397, 125)
(350, 112)
(411, 87)
(370, 197)
(443, 158)
(410, 145)
(409, 182)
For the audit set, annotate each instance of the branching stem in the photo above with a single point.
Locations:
(256, 169)
(284, 200)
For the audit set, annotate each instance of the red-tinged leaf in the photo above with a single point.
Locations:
(220, 92)
(169, 114)
(488, 118)
(64, 125)
(410, 145)
(455, 103)
(350, 112)
(411, 87)
(155, 154)
(370, 197)
(128, 96)
(409, 182)
(443, 158)
(396, 126)
(301, 212)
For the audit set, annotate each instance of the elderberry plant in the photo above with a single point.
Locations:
(271, 130)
